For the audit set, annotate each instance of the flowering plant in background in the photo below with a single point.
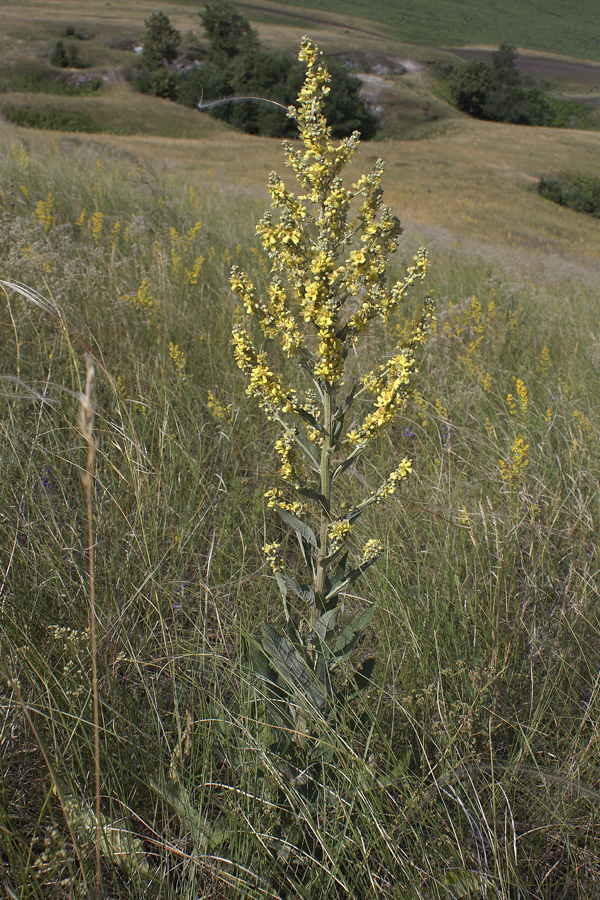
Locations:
(329, 247)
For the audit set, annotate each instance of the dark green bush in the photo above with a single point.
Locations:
(71, 32)
(51, 119)
(66, 57)
(578, 192)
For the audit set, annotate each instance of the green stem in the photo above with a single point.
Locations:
(325, 489)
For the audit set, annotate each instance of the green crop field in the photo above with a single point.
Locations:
(572, 29)
(433, 734)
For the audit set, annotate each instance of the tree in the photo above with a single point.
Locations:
(498, 92)
(161, 42)
(470, 86)
(504, 68)
(228, 31)
(58, 57)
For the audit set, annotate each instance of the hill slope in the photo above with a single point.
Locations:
(560, 26)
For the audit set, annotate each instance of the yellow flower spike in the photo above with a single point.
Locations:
(328, 249)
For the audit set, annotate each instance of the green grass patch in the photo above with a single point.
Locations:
(31, 76)
(52, 119)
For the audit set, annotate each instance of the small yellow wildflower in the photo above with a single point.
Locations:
(518, 460)
(339, 530)
(372, 549)
(97, 224)
(271, 551)
(178, 358)
(218, 409)
(45, 212)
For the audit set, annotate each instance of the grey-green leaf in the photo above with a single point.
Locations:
(351, 633)
(292, 667)
(299, 526)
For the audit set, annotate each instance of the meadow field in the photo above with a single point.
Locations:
(469, 766)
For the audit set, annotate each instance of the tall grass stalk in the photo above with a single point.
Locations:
(86, 423)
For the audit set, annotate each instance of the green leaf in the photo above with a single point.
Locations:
(292, 667)
(307, 554)
(341, 583)
(310, 420)
(333, 557)
(299, 526)
(281, 584)
(326, 623)
(256, 658)
(346, 403)
(310, 450)
(339, 470)
(301, 590)
(314, 495)
(351, 633)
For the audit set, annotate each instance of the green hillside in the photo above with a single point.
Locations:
(558, 26)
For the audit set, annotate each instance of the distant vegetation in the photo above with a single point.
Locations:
(499, 92)
(578, 192)
(51, 119)
(35, 77)
(66, 57)
(236, 65)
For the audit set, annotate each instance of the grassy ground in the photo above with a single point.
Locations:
(472, 767)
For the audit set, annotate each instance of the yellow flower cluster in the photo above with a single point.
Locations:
(372, 550)
(521, 394)
(310, 243)
(178, 357)
(180, 246)
(97, 224)
(274, 316)
(544, 363)
(142, 300)
(44, 211)
(518, 460)
(391, 383)
(291, 468)
(192, 274)
(263, 384)
(392, 481)
(338, 531)
(276, 499)
(217, 409)
(271, 551)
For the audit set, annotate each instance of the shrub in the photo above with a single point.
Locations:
(51, 119)
(578, 192)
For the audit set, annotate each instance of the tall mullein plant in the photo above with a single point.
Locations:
(327, 286)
